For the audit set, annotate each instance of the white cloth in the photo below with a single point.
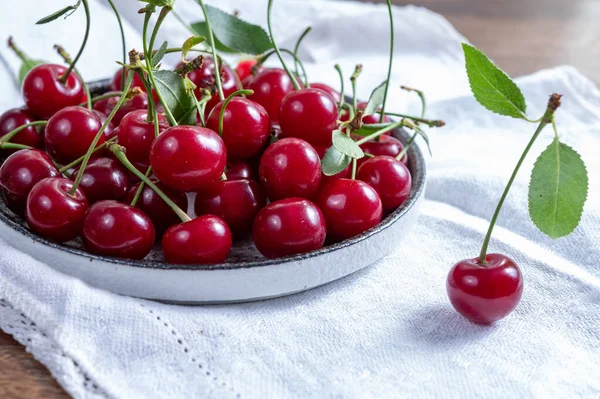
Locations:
(388, 331)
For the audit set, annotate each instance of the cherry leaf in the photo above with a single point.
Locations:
(334, 162)
(346, 145)
(180, 102)
(55, 15)
(376, 99)
(189, 44)
(201, 29)
(160, 53)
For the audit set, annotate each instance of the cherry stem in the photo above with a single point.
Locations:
(161, 17)
(353, 77)
(12, 45)
(287, 70)
(211, 38)
(76, 162)
(109, 118)
(354, 162)
(429, 122)
(407, 146)
(138, 193)
(296, 48)
(389, 74)
(423, 101)
(378, 133)
(65, 76)
(67, 58)
(263, 58)
(120, 155)
(8, 136)
(226, 103)
(341, 75)
(123, 44)
(547, 118)
(103, 97)
(14, 146)
(152, 116)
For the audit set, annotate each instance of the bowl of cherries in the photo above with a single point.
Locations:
(205, 182)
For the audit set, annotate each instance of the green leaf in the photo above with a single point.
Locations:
(175, 97)
(491, 87)
(189, 44)
(334, 162)
(201, 29)
(346, 145)
(376, 99)
(557, 190)
(366, 130)
(160, 53)
(58, 14)
(238, 34)
(28, 65)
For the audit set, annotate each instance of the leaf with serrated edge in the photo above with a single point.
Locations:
(160, 53)
(201, 29)
(491, 87)
(557, 190)
(346, 145)
(172, 89)
(334, 162)
(189, 44)
(376, 99)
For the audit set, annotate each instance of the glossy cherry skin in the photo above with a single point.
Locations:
(386, 145)
(290, 168)
(188, 158)
(349, 206)
(136, 134)
(138, 102)
(244, 68)
(204, 240)
(103, 179)
(246, 127)
(327, 89)
(44, 94)
(111, 228)
(204, 78)
(270, 87)
(70, 133)
(158, 211)
(389, 177)
(235, 201)
(238, 169)
(20, 172)
(14, 118)
(288, 227)
(485, 294)
(53, 212)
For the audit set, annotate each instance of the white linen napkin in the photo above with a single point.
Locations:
(387, 331)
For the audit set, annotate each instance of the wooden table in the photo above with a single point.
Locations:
(521, 36)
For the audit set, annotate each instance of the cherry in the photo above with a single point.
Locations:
(136, 134)
(485, 293)
(204, 240)
(288, 227)
(204, 78)
(385, 145)
(290, 168)
(246, 126)
(14, 118)
(235, 201)
(327, 89)
(238, 169)
(138, 102)
(349, 206)
(158, 211)
(53, 212)
(244, 68)
(389, 177)
(103, 179)
(111, 228)
(70, 133)
(309, 114)
(45, 94)
(270, 87)
(346, 173)
(188, 158)
(20, 172)
(110, 130)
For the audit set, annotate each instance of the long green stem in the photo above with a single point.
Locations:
(389, 74)
(123, 44)
(353, 78)
(138, 193)
(407, 146)
(211, 38)
(424, 101)
(86, 8)
(296, 48)
(263, 58)
(13, 146)
(341, 75)
(104, 96)
(161, 17)
(8, 136)
(378, 133)
(226, 103)
(429, 122)
(287, 70)
(76, 162)
(152, 115)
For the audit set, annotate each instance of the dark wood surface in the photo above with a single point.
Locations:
(521, 36)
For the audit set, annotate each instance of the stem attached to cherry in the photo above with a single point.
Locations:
(8, 136)
(138, 193)
(211, 38)
(389, 74)
(226, 102)
(287, 70)
(341, 75)
(76, 162)
(296, 48)
(14, 146)
(67, 58)
(86, 8)
(355, 75)
(263, 58)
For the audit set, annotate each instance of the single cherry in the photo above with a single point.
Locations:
(235, 201)
(389, 177)
(290, 168)
(103, 179)
(270, 87)
(384, 145)
(45, 94)
(70, 133)
(188, 158)
(238, 169)
(14, 118)
(485, 293)
(136, 134)
(327, 89)
(309, 114)
(20, 172)
(204, 78)
(246, 126)
(244, 68)
(204, 240)
(137, 102)
(349, 206)
(288, 227)
(53, 212)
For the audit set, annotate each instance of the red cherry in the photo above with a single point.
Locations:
(386, 145)
(238, 169)
(309, 114)
(485, 294)
(103, 179)
(204, 240)
(53, 212)
(158, 211)
(138, 102)
(110, 130)
(20, 172)
(14, 118)
(136, 134)
(389, 177)
(346, 173)
(327, 89)
(235, 201)
(70, 133)
(349, 206)
(244, 68)
(290, 168)
(204, 78)
(44, 94)
(111, 228)
(246, 126)
(288, 227)
(188, 158)
(270, 87)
